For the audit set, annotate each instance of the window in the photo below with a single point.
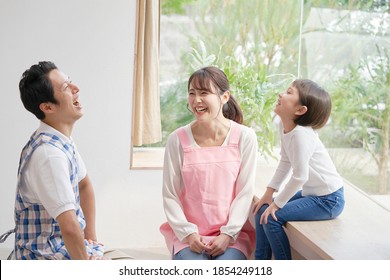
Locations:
(263, 45)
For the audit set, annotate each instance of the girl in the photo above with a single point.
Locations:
(315, 189)
(209, 176)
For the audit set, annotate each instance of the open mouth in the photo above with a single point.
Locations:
(200, 109)
(76, 103)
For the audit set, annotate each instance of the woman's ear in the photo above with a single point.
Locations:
(225, 97)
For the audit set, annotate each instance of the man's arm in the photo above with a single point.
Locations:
(72, 235)
(87, 202)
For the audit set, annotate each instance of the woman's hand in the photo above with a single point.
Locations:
(219, 244)
(271, 209)
(196, 243)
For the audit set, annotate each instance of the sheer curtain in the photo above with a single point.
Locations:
(146, 98)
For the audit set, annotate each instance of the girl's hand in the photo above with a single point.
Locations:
(218, 245)
(196, 243)
(265, 199)
(271, 209)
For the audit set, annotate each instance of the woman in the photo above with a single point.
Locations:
(209, 175)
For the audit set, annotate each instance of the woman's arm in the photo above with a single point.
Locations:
(171, 189)
(240, 207)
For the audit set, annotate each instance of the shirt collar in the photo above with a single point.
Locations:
(43, 127)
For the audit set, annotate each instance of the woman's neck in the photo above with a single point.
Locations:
(210, 134)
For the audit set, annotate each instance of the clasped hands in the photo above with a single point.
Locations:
(213, 248)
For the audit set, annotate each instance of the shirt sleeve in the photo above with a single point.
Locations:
(82, 171)
(282, 170)
(240, 207)
(48, 180)
(301, 150)
(172, 187)
(284, 166)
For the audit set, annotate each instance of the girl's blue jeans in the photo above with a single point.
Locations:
(271, 238)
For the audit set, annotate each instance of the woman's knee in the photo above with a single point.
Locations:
(231, 254)
(187, 254)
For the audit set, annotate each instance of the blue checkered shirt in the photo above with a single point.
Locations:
(37, 234)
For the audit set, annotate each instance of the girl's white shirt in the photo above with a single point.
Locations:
(313, 170)
(173, 183)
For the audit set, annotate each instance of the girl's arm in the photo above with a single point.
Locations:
(301, 148)
(284, 166)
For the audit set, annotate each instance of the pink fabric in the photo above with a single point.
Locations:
(209, 175)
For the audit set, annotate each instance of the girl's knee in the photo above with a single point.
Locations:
(262, 209)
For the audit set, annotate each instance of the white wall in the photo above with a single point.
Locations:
(92, 41)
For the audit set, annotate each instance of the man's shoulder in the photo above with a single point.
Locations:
(47, 151)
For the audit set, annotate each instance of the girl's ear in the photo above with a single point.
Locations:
(301, 111)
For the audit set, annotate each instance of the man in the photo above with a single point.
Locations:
(55, 203)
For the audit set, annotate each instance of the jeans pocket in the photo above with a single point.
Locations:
(334, 203)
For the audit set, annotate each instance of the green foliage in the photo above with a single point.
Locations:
(175, 113)
(174, 6)
(257, 94)
(362, 103)
(256, 32)
(360, 98)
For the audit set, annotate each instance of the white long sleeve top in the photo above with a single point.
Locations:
(173, 184)
(312, 168)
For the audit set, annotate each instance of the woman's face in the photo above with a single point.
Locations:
(206, 104)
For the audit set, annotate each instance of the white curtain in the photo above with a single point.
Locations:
(146, 98)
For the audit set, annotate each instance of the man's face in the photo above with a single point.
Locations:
(68, 109)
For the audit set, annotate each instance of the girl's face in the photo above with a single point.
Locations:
(289, 105)
(206, 104)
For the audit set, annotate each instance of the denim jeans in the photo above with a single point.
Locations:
(230, 254)
(271, 238)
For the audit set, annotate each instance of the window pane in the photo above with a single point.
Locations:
(346, 50)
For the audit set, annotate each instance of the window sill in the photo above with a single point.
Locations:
(147, 158)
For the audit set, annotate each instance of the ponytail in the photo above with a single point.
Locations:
(232, 110)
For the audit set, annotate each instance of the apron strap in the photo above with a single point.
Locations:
(183, 138)
(234, 136)
(235, 133)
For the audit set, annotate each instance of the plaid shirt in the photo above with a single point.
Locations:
(37, 234)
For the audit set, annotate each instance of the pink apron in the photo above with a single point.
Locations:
(209, 176)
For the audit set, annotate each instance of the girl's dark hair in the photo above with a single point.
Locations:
(203, 78)
(317, 101)
(35, 87)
